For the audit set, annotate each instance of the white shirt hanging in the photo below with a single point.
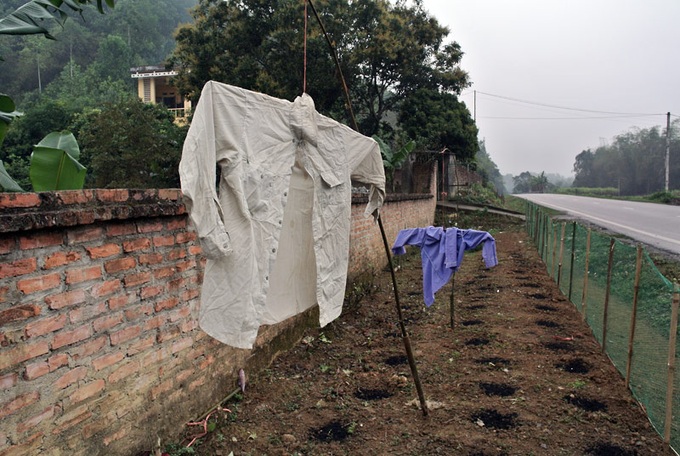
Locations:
(276, 234)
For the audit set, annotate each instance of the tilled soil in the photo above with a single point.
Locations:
(519, 374)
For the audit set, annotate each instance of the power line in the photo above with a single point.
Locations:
(623, 116)
(568, 108)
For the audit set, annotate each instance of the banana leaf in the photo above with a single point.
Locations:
(8, 184)
(54, 164)
(37, 15)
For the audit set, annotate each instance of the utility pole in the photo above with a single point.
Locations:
(668, 147)
(474, 110)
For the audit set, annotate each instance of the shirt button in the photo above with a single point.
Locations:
(273, 250)
(285, 193)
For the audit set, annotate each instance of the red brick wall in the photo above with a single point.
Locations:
(100, 352)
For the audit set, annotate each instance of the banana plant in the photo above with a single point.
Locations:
(393, 160)
(54, 163)
(7, 113)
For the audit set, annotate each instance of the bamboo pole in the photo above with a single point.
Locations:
(402, 326)
(573, 256)
(559, 264)
(633, 315)
(671, 366)
(610, 266)
(584, 294)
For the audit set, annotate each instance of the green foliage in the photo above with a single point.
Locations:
(54, 163)
(488, 169)
(131, 145)
(6, 182)
(393, 160)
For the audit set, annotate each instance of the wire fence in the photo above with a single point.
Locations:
(630, 306)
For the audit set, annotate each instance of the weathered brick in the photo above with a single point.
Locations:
(34, 421)
(57, 361)
(66, 299)
(186, 236)
(85, 274)
(45, 325)
(176, 224)
(13, 200)
(113, 195)
(120, 229)
(188, 325)
(156, 357)
(136, 245)
(182, 344)
(132, 280)
(7, 245)
(176, 254)
(120, 301)
(8, 381)
(161, 273)
(87, 312)
(18, 403)
(180, 314)
(18, 267)
(35, 370)
(150, 258)
(123, 371)
(190, 294)
(103, 251)
(195, 250)
(22, 352)
(88, 348)
(29, 446)
(168, 333)
(163, 241)
(185, 265)
(71, 337)
(42, 283)
(107, 360)
(75, 196)
(107, 322)
(121, 264)
(18, 313)
(170, 194)
(85, 234)
(161, 388)
(72, 376)
(40, 240)
(151, 291)
(124, 335)
(60, 259)
(166, 304)
(138, 311)
(154, 323)
(71, 419)
(105, 288)
(149, 226)
(141, 345)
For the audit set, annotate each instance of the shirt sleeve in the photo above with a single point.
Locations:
(411, 236)
(366, 166)
(197, 171)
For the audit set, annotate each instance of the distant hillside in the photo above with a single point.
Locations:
(135, 32)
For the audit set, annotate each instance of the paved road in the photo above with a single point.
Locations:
(649, 223)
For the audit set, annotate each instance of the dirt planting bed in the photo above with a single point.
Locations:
(519, 374)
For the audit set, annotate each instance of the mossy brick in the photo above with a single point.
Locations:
(104, 251)
(121, 264)
(112, 195)
(18, 268)
(64, 338)
(19, 313)
(46, 325)
(85, 274)
(42, 283)
(40, 240)
(66, 299)
(17, 403)
(60, 259)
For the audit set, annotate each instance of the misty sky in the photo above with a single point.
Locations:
(604, 59)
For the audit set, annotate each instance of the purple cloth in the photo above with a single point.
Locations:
(442, 253)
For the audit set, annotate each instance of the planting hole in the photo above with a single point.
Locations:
(497, 389)
(495, 360)
(607, 449)
(492, 419)
(576, 366)
(372, 394)
(545, 308)
(471, 322)
(589, 405)
(548, 324)
(334, 431)
(560, 346)
(396, 360)
(476, 341)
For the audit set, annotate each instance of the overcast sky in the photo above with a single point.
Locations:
(600, 58)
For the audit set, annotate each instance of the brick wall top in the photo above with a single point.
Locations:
(30, 211)
(359, 198)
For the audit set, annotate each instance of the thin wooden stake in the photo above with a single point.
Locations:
(573, 255)
(453, 277)
(671, 366)
(584, 295)
(633, 315)
(559, 265)
(402, 326)
(605, 315)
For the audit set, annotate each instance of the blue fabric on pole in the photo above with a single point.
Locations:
(442, 251)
